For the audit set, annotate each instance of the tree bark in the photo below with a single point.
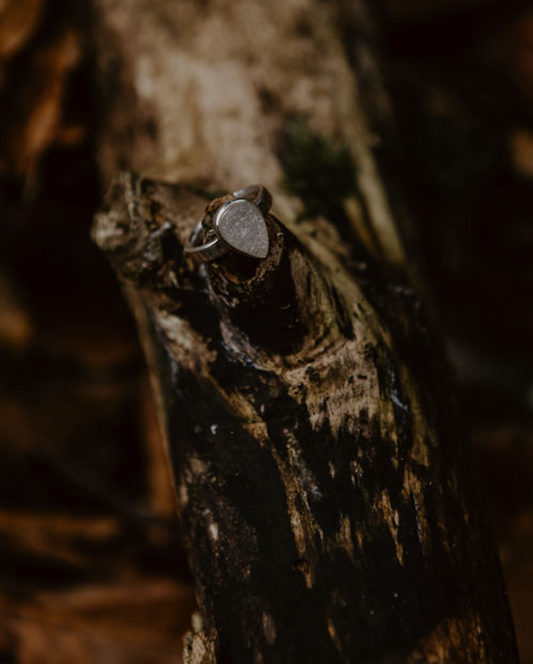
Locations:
(321, 471)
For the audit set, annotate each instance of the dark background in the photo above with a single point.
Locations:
(91, 568)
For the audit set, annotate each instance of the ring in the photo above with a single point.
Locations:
(238, 225)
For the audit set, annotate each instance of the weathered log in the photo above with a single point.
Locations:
(321, 471)
(323, 483)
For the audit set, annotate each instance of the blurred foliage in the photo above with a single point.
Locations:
(318, 171)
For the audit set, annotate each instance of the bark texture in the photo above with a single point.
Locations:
(321, 473)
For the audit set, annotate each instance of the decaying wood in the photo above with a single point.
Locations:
(321, 471)
(322, 480)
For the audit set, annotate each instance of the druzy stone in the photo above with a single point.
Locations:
(241, 225)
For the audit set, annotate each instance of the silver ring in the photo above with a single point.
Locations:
(238, 225)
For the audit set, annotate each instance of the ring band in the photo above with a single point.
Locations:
(258, 195)
(238, 225)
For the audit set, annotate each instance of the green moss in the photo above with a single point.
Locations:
(317, 170)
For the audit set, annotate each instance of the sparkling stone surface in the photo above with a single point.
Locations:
(242, 226)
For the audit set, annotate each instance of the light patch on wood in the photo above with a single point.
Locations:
(213, 531)
(424, 436)
(247, 415)
(306, 479)
(391, 517)
(344, 537)
(185, 340)
(333, 635)
(330, 407)
(356, 474)
(198, 466)
(197, 621)
(355, 213)
(199, 648)
(258, 430)
(302, 522)
(183, 495)
(453, 640)
(269, 628)
(191, 350)
(413, 493)
(212, 526)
